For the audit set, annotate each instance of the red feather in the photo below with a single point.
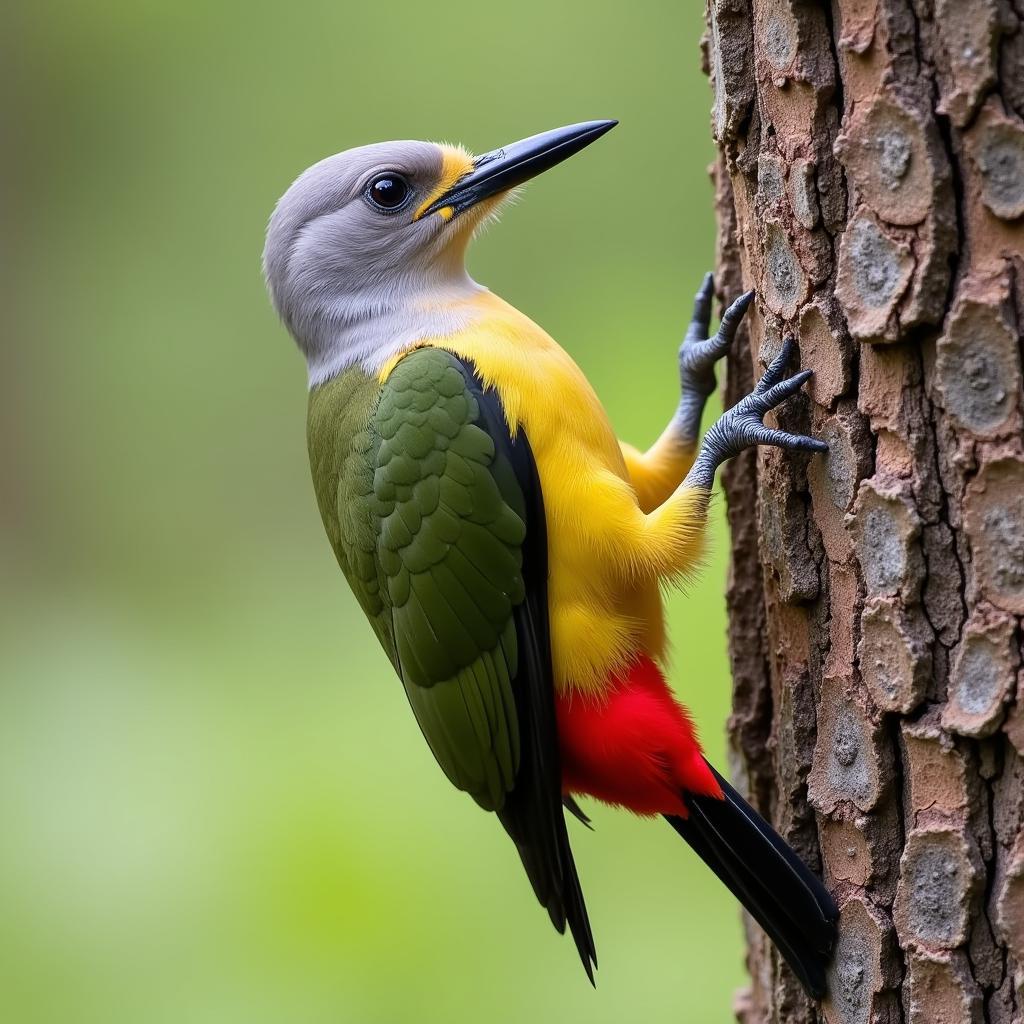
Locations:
(634, 745)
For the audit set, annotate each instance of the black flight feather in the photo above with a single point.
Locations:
(532, 814)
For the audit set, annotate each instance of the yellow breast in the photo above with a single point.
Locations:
(600, 614)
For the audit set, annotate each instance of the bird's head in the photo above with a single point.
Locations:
(367, 232)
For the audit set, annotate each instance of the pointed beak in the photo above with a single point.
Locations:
(504, 168)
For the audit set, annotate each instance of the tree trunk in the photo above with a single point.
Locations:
(870, 186)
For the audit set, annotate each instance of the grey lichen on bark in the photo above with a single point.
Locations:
(869, 185)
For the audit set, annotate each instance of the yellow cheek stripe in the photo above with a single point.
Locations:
(455, 163)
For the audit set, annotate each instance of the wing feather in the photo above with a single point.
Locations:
(438, 523)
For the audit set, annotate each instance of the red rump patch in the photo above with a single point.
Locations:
(634, 745)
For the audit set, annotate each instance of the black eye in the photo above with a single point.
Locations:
(388, 191)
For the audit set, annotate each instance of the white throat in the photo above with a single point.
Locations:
(371, 333)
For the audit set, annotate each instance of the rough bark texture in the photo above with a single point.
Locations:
(870, 186)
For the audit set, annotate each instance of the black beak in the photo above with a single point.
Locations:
(504, 168)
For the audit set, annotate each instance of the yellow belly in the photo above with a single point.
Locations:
(602, 612)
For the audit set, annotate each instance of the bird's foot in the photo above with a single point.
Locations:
(743, 426)
(699, 353)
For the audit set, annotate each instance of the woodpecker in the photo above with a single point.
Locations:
(507, 549)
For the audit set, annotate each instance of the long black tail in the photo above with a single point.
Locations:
(764, 873)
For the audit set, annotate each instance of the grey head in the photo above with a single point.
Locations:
(344, 260)
(365, 252)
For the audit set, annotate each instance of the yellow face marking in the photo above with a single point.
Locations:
(456, 162)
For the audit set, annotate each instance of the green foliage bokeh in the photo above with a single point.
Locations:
(216, 806)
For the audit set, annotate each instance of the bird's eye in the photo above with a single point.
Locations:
(388, 191)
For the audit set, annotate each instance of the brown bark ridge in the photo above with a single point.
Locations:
(870, 186)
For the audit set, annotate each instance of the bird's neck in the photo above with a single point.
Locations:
(370, 330)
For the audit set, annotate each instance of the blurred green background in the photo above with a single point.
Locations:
(215, 804)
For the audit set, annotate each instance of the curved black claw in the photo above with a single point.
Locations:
(701, 320)
(743, 426)
(699, 353)
(776, 368)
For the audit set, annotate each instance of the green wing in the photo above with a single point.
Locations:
(429, 533)
(436, 517)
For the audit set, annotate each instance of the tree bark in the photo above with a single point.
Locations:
(870, 186)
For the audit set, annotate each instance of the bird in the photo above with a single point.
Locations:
(507, 549)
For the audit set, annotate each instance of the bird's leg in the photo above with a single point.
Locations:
(657, 472)
(669, 534)
(743, 425)
(674, 531)
(698, 355)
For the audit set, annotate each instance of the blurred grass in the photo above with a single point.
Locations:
(216, 805)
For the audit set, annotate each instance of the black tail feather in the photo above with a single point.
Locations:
(764, 873)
